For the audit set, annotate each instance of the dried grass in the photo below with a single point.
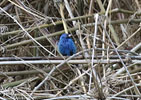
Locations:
(108, 58)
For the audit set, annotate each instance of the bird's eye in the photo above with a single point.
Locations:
(68, 37)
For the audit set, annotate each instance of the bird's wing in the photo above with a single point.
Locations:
(63, 47)
(72, 46)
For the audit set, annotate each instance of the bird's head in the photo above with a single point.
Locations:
(65, 36)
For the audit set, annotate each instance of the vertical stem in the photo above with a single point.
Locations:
(63, 18)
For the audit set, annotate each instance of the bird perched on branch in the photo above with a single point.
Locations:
(66, 45)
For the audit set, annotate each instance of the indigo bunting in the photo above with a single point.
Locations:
(66, 45)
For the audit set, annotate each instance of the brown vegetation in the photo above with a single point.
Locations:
(107, 34)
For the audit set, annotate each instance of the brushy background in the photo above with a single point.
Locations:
(30, 30)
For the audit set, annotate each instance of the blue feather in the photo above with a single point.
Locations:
(66, 45)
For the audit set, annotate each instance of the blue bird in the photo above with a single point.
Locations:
(66, 45)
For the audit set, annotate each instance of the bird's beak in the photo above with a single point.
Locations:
(69, 35)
